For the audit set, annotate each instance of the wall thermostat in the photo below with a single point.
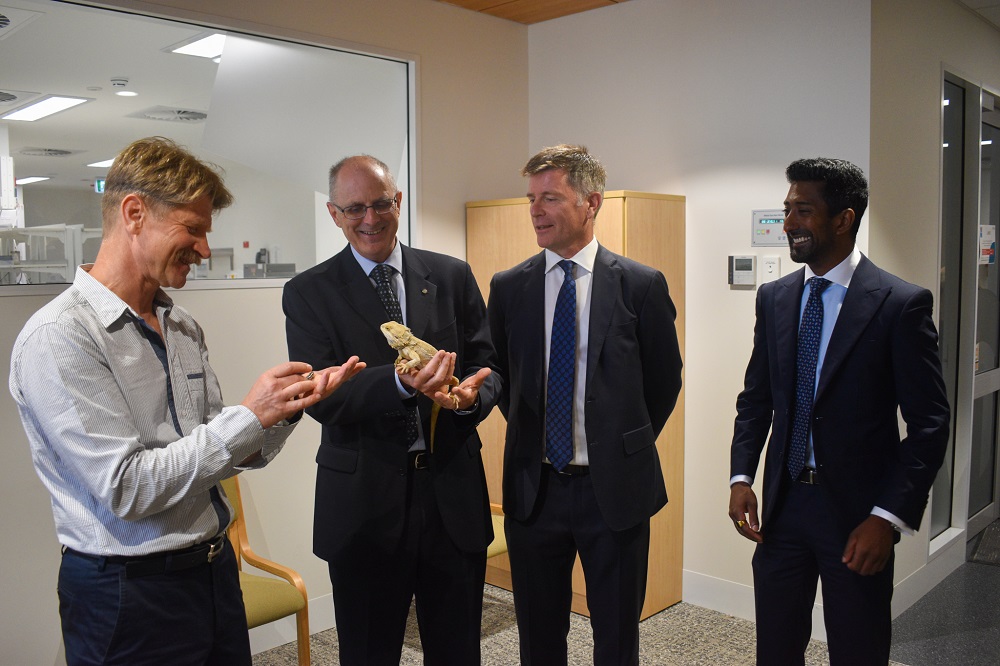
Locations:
(743, 270)
(768, 229)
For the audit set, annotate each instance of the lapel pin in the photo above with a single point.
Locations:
(423, 291)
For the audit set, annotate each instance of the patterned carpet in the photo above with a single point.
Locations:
(682, 635)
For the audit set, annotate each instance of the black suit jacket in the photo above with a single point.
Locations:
(882, 354)
(333, 312)
(633, 379)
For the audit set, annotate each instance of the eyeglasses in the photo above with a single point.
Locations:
(358, 211)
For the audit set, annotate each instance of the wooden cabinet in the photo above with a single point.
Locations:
(650, 229)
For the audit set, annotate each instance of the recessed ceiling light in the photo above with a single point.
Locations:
(44, 107)
(104, 164)
(209, 46)
(30, 179)
(126, 93)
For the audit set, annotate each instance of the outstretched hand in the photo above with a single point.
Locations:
(285, 390)
(437, 381)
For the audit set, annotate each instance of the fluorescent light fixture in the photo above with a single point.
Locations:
(104, 164)
(127, 93)
(29, 180)
(44, 107)
(209, 46)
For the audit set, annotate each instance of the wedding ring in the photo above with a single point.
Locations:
(740, 523)
(310, 375)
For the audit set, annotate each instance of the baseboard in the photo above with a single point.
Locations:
(736, 599)
(282, 631)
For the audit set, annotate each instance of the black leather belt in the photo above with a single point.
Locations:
(570, 470)
(418, 460)
(808, 475)
(137, 566)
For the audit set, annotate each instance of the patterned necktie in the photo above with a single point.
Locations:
(382, 274)
(805, 374)
(562, 368)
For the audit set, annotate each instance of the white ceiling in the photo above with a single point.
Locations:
(988, 9)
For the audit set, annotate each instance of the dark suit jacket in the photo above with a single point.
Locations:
(882, 354)
(333, 312)
(633, 379)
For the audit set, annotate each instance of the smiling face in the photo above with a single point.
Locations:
(170, 239)
(361, 182)
(562, 222)
(814, 236)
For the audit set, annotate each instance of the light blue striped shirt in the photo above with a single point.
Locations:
(93, 399)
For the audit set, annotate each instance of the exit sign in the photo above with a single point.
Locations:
(99, 186)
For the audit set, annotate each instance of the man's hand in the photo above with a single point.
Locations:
(283, 391)
(435, 381)
(869, 546)
(743, 511)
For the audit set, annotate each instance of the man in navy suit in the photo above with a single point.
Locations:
(835, 509)
(401, 508)
(589, 481)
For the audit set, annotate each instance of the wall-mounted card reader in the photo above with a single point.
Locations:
(768, 229)
(743, 270)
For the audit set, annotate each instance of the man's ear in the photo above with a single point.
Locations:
(133, 213)
(844, 222)
(594, 201)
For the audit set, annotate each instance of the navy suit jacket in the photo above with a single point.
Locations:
(333, 312)
(882, 354)
(633, 379)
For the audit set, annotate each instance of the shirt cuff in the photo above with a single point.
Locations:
(897, 523)
(404, 391)
(741, 477)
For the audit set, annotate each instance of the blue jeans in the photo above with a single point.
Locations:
(194, 616)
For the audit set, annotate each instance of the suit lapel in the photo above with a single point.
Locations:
(605, 289)
(421, 292)
(787, 303)
(356, 289)
(863, 299)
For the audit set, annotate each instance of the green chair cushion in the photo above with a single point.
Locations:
(268, 599)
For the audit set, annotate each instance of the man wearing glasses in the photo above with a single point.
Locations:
(400, 512)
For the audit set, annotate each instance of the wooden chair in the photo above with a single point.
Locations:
(499, 544)
(267, 599)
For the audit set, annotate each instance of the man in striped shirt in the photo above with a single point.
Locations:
(129, 433)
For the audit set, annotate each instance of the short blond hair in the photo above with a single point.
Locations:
(163, 174)
(584, 172)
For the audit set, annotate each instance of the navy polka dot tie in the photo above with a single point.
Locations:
(382, 274)
(562, 370)
(805, 374)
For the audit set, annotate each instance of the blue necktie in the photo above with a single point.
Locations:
(805, 374)
(562, 368)
(382, 274)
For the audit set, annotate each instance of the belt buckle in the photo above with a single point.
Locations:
(216, 547)
(420, 460)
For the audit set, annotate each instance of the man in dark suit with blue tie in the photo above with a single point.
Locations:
(838, 346)
(592, 369)
(401, 513)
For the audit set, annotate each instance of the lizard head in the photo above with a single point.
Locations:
(395, 334)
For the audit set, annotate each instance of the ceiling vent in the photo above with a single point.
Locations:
(45, 152)
(12, 19)
(16, 97)
(171, 115)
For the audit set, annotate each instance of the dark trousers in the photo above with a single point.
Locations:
(194, 616)
(542, 550)
(373, 588)
(801, 544)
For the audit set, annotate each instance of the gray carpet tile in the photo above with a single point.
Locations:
(682, 635)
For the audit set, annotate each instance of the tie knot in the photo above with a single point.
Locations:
(382, 273)
(817, 285)
(567, 266)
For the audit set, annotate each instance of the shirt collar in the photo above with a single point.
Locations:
(841, 273)
(395, 260)
(586, 257)
(106, 303)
